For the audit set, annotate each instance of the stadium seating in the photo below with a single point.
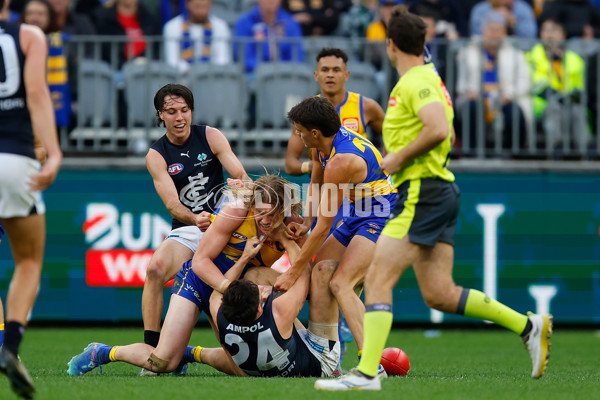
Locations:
(142, 80)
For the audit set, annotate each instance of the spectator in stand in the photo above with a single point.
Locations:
(466, 7)
(70, 22)
(435, 44)
(169, 9)
(41, 14)
(558, 83)
(491, 70)
(274, 35)
(317, 18)
(451, 22)
(538, 6)
(375, 35)
(128, 18)
(519, 16)
(355, 22)
(582, 18)
(196, 37)
(376, 29)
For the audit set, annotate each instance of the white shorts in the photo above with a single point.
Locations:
(16, 198)
(319, 347)
(189, 236)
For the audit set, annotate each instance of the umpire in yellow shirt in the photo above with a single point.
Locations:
(417, 131)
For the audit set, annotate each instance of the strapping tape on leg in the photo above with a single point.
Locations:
(156, 364)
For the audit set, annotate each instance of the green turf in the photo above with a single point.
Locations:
(482, 364)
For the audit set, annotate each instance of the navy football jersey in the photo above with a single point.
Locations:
(196, 171)
(16, 133)
(259, 349)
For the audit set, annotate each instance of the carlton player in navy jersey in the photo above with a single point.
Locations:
(257, 332)
(26, 112)
(186, 165)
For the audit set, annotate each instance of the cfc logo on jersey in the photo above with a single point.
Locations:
(174, 169)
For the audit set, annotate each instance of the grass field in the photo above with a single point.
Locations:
(456, 364)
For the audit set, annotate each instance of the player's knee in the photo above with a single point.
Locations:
(438, 301)
(339, 286)
(324, 270)
(157, 269)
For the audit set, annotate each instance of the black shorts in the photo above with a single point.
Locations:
(426, 210)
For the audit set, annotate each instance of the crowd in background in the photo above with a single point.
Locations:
(519, 90)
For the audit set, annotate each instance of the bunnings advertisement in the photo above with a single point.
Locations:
(531, 241)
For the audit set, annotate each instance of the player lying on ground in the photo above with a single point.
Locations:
(247, 234)
(257, 332)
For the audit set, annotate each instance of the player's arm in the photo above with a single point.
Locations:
(287, 306)
(35, 47)
(220, 146)
(374, 114)
(435, 131)
(293, 164)
(157, 167)
(214, 240)
(311, 209)
(340, 171)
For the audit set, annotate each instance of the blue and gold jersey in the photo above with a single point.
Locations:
(352, 114)
(375, 192)
(231, 253)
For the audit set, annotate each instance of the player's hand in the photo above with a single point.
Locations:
(252, 247)
(236, 182)
(46, 176)
(391, 163)
(295, 231)
(203, 220)
(279, 234)
(286, 280)
(41, 154)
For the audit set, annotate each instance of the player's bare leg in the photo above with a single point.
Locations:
(27, 238)
(433, 269)
(177, 330)
(353, 263)
(166, 261)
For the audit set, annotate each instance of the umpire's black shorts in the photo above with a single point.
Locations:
(426, 210)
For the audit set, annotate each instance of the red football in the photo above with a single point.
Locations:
(395, 361)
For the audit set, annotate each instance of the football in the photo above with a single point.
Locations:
(395, 361)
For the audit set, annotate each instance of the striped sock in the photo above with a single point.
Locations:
(103, 354)
(1, 334)
(192, 355)
(196, 352)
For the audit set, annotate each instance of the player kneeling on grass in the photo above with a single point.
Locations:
(230, 248)
(257, 331)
